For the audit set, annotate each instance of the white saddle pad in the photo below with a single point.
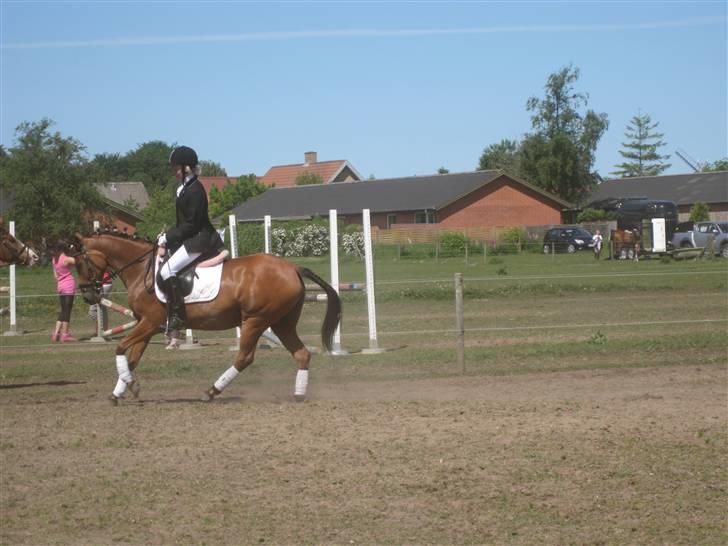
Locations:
(204, 288)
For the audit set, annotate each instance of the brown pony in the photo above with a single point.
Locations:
(256, 293)
(13, 251)
(624, 244)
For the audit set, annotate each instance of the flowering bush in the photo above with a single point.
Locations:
(278, 238)
(353, 243)
(307, 240)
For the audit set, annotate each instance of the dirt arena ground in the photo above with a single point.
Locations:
(600, 456)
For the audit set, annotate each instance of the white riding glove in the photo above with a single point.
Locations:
(162, 239)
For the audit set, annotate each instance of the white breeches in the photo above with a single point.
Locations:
(177, 262)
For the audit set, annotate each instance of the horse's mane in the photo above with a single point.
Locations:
(113, 232)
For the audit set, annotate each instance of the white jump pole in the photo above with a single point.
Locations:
(369, 265)
(266, 233)
(334, 256)
(268, 334)
(232, 223)
(98, 338)
(13, 331)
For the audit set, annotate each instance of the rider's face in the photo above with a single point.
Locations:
(178, 171)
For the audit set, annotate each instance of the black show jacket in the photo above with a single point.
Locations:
(194, 229)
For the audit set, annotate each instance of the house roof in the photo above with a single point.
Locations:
(119, 193)
(682, 189)
(384, 195)
(284, 176)
(209, 182)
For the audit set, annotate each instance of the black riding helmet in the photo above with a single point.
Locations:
(183, 155)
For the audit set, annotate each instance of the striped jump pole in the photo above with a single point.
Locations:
(121, 310)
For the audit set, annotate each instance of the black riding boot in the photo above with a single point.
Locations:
(176, 316)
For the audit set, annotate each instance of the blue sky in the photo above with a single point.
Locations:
(397, 88)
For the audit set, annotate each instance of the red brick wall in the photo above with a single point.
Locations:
(500, 203)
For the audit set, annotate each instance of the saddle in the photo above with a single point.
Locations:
(185, 278)
(207, 278)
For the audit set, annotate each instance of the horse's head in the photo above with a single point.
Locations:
(13, 251)
(90, 266)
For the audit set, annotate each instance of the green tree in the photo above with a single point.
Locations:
(595, 215)
(558, 154)
(212, 168)
(505, 155)
(305, 179)
(149, 163)
(443, 170)
(699, 212)
(641, 155)
(108, 168)
(231, 195)
(160, 213)
(46, 174)
(719, 165)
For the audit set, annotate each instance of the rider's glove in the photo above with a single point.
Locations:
(162, 239)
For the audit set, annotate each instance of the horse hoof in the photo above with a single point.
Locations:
(114, 400)
(299, 397)
(134, 388)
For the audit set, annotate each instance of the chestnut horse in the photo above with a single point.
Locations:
(256, 293)
(13, 251)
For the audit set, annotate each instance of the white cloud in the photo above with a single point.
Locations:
(362, 33)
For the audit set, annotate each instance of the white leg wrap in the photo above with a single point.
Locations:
(301, 383)
(225, 379)
(125, 377)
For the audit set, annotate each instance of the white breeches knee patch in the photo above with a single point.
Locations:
(177, 262)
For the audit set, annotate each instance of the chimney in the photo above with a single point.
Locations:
(309, 158)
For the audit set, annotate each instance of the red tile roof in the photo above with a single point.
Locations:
(209, 182)
(283, 176)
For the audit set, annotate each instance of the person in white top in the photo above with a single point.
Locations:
(597, 244)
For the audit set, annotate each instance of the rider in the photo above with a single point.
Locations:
(193, 235)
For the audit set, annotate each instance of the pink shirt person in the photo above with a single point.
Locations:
(65, 283)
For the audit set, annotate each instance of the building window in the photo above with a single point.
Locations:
(425, 217)
(391, 219)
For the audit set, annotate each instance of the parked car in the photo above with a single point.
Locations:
(700, 234)
(567, 239)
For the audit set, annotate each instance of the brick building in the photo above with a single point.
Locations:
(453, 201)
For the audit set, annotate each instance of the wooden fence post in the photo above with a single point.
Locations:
(460, 320)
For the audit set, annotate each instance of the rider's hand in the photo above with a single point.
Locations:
(162, 239)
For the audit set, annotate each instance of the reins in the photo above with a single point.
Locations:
(96, 282)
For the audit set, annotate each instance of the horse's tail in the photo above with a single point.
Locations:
(333, 307)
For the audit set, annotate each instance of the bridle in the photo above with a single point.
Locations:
(94, 275)
(16, 254)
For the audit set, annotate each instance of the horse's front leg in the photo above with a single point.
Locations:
(136, 342)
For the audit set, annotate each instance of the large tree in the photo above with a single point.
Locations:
(558, 154)
(46, 174)
(505, 155)
(231, 195)
(212, 168)
(641, 150)
(159, 214)
(718, 165)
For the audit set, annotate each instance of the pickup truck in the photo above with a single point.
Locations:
(699, 234)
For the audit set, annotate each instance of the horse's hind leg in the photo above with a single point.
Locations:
(285, 329)
(250, 333)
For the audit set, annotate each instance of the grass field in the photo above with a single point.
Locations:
(592, 409)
